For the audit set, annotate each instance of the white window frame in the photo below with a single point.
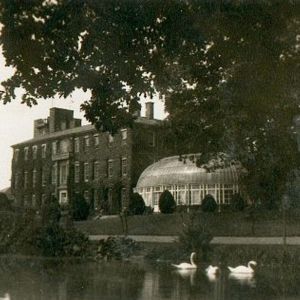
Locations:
(26, 152)
(96, 170)
(124, 166)
(76, 145)
(34, 178)
(86, 172)
(124, 134)
(25, 180)
(110, 139)
(96, 139)
(44, 150)
(77, 172)
(34, 151)
(110, 168)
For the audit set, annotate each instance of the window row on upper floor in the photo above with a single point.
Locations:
(76, 144)
(59, 173)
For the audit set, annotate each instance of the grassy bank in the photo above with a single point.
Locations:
(265, 223)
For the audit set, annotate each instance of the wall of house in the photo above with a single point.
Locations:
(91, 151)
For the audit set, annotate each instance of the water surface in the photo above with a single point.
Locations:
(37, 279)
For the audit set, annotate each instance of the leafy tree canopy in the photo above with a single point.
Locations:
(228, 70)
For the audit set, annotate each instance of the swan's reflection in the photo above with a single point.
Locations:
(243, 279)
(187, 274)
(212, 277)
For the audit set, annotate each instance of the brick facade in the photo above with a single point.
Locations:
(65, 158)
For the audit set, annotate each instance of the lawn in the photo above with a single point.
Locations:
(267, 223)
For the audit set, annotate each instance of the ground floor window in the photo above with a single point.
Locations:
(63, 197)
(189, 194)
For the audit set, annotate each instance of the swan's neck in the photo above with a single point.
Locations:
(192, 260)
(250, 266)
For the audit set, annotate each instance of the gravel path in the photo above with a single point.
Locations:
(216, 240)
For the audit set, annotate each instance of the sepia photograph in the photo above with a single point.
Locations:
(149, 149)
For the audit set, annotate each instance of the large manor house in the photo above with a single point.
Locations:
(64, 159)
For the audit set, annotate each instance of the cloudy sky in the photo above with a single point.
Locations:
(16, 120)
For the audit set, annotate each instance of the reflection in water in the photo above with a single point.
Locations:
(243, 279)
(187, 274)
(212, 277)
(53, 280)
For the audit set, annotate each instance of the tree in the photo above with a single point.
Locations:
(237, 202)
(80, 208)
(209, 204)
(232, 67)
(137, 204)
(166, 202)
(50, 212)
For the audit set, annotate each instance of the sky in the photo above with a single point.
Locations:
(16, 120)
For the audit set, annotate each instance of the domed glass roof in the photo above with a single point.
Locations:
(172, 171)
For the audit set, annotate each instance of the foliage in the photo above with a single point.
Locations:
(56, 241)
(80, 208)
(166, 203)
(51, 211)
(5, 204)
(117, 247)
(209, 204)
(137, 204)
(195, 238)
(24, 234)
(237, 202)
(231, 68)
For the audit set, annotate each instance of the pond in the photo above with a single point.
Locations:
(49, 279)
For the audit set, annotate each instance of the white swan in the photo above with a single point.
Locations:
(6, 297)
(243, 269)
(212, 270)
(192, 265)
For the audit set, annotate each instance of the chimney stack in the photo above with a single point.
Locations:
(149, 110)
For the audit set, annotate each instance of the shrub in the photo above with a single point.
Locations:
(237, 203)
(54, 241)
(209, 204)
(51, 212)
(24, 235)
(117, 247)
(137, 204)
(195, 238)
(80, 208)
(5, 204)
(167, 204)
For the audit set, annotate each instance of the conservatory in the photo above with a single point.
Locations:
(187, 182)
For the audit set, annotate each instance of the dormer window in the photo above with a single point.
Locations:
(26, 153)
(86, 141)
(96, 140)
(44, 150)
(76, 145)
(34, 152)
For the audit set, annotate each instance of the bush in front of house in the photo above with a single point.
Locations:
(51, 212)
(237, 202)
(166, 203)
(80, 208)
(5, 204)
(209, 204)
(137, 204)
